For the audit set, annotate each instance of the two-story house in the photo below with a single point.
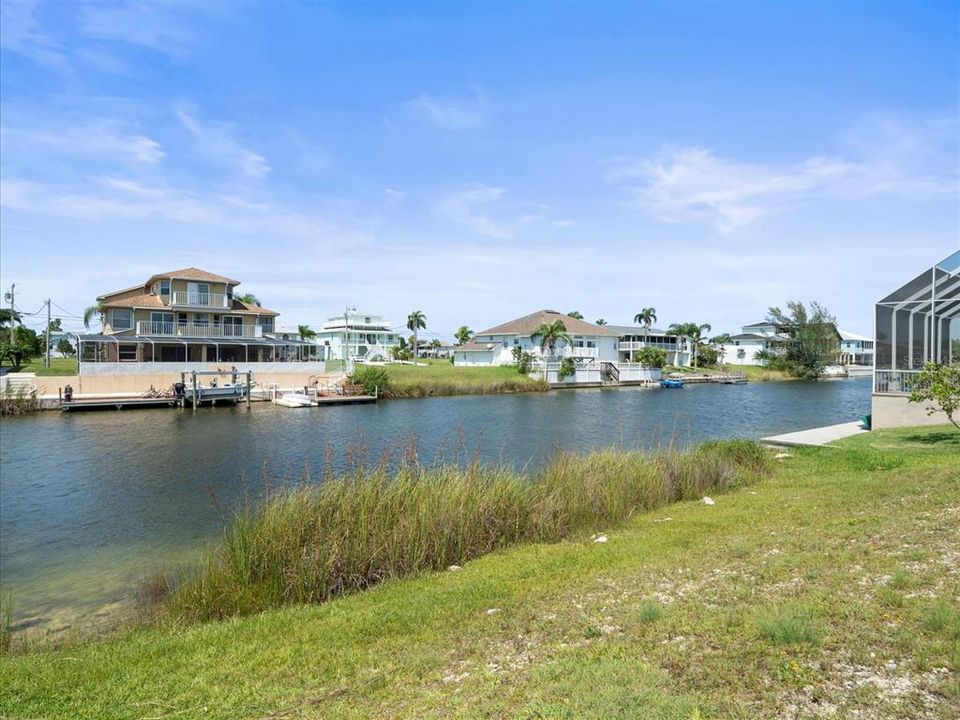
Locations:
(185, 316)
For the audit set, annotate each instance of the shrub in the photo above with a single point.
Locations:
(373, 378)
(789, 626)
(654, 357)
(567, 368)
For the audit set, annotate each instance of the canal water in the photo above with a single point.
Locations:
(92, 502)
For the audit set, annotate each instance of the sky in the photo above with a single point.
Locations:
(480, 161)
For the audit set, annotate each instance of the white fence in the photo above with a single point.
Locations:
(636, 372)
(149, 368)
(895, 381)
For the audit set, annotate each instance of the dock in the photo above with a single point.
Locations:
(118, 403)
(816, 437)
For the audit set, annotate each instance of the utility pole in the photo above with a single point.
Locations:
(48, 333)
(13, 325)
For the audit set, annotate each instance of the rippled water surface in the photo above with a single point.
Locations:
(89, 502)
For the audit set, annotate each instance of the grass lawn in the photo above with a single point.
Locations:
(754, 373)
(58, 366)
(440, 377)
(828, 589)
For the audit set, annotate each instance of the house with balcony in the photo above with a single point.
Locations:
(759, 337)
(917, 323)
(637, 337)
(855, 350)
(183, 317)
(357, 336)
(593, 348)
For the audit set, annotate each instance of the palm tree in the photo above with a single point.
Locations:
(463, 335)
(306, 332)
(90, 313)
(691, 331)
(575, 314)
(552, 333)
(601, 322)
(416, 321)
(721, 341)
(646, 317)
(248, 298)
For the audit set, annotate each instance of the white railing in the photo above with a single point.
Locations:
(175, 329)
(197, 299)
(895, 381)
(576, 352)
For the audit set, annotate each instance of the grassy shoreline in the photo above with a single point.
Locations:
(830, 587)
(436, 378)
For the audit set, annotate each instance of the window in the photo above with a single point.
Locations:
(121, 319)
(266, 324)
(201, 319)
(164, 288)
(161, 323)
(232, 326)
(128, 352)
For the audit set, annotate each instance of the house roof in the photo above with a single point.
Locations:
(475, 347)
(527, 325)
(845, 335)
(763, 323)
(151, 302)
(192, 273)
(622, 330)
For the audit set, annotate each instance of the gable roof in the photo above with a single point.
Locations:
(634, 330)
(475, 347)
(192, 273)
(528, 324)
(151, 301)
(846, 335)
(763, 323)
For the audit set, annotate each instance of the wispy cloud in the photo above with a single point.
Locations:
(20, 32)
(471, 208)
(452, 113)
(684, 184)
(216, 140)
(105, 139)
(157, 26)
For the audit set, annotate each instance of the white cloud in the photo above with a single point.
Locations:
(216, 140)
(20, 33)
(452, 113)
(685, 184)
(153, 25)
(470, 208)
(105, 140)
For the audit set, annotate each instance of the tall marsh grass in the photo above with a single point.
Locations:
(312, 543)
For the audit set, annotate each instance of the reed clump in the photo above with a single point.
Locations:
(312, 543)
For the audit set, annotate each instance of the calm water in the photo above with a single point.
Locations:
(91, 501)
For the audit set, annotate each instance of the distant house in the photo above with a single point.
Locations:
(636, 337)
(593, 348)
(357, 336)
(182, 317)
(855, 349)
(754, 338)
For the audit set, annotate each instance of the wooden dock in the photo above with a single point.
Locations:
(118, 403)
(345, 400)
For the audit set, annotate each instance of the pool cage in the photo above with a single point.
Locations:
(917, 323)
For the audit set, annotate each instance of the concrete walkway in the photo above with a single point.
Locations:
(816, 436)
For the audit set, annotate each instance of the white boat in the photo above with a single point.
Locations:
(294, 400)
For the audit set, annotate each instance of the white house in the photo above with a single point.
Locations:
(593, 348)
(366, 337)
(753, 338)
(636, 337)
(855, 349)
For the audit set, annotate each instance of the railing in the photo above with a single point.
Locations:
(197, 299)
(611, 371)
(628, 345)
(575, 352)
(176, 329)
(895, 381)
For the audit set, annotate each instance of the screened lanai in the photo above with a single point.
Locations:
(916, 323)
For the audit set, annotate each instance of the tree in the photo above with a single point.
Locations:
(575, 314)
(463, 335)
(551, 333)
(306, 332)
(55, 325)
(6, 314)
(646, 317)
(91, 312)
(651, 356)
(601, 322)
(248, 298)
(939, 385)
(693, 332)
(27, 344)
(719, 342)
(416, 321)
(65, 347)
(813, 337)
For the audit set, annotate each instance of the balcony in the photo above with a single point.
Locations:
(192, 330)
(629, 346)
(197, 299)
(896, 381)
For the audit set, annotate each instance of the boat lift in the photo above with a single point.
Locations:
(195, 394)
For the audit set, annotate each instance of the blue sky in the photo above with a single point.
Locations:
(479, 161)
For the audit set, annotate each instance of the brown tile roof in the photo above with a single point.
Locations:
(528, 324)
(139, 301)
(239, 306)
(192, 273)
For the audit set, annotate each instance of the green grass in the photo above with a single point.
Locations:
(563, 629)
(440, 377)
(58, 366)
(754, 373)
